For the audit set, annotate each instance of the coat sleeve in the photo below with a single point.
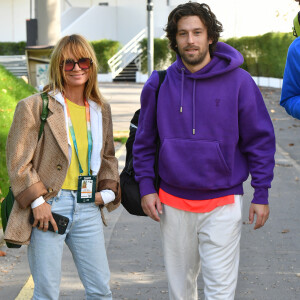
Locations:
(290, 93)
(109, 175)
(144, 146)
(257, 139)
(20, 148)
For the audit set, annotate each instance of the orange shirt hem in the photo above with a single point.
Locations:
(198, 206)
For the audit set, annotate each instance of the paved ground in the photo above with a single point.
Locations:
(270, 264)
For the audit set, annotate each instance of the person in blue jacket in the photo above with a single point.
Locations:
(290, 93)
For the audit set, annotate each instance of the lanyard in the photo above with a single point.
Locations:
(88, 125)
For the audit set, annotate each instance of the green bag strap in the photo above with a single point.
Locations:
(44, 113)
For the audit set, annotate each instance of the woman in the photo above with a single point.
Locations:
(52, 174)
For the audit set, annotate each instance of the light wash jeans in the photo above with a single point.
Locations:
(85, 239)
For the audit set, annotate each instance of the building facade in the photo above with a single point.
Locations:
(123, 19)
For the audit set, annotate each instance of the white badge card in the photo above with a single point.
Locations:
(86, 189)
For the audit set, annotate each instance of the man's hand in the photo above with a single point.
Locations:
(262, 214)
(151, 205)
(42, 214)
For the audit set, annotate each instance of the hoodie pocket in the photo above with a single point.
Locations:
(193, 164)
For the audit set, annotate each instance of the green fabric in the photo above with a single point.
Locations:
(44, 113)
(297, 25)
(6, 207)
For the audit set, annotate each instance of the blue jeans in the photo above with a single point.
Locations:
(85, 239)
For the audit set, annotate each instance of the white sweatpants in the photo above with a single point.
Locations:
(214, 238)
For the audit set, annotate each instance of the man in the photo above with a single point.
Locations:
(214, 128)
(290, 93)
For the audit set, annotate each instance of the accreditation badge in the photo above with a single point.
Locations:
(86, 189)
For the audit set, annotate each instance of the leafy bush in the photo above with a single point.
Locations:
(12, 90)
(264, 55)
(11, 48)
(163, 56)
(105, 49)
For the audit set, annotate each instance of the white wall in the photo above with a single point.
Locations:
(94, 27)
(250, 18)
(13, 20)
(122, 19)
(239, 17)
(71, 14)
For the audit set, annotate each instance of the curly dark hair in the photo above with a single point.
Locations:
(214, 27)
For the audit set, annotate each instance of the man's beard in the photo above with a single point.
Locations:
(195, 59)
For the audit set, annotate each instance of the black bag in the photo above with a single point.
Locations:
(8, 202)
(130, 191)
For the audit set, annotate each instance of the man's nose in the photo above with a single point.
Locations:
(190, 38)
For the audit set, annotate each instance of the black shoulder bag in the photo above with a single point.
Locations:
(130, 191)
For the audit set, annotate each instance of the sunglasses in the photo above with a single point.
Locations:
(83, 63)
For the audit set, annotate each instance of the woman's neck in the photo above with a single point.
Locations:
(75, 94)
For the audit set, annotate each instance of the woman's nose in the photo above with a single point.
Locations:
(76, 67)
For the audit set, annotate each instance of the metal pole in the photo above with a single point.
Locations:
(150, 44)
(47, 13)
(35, 9)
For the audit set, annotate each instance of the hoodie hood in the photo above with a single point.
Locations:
(224, 59)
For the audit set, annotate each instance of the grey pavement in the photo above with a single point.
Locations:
(269, 264)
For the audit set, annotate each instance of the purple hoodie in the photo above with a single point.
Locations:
(214, 129)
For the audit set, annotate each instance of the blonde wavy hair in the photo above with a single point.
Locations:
(79, 47)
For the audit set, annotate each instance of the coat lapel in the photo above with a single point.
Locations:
(55, 124)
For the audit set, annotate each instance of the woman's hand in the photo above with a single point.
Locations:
(42, 214)
(98, 199)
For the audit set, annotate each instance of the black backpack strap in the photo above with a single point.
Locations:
(44, 113)
(162, 75)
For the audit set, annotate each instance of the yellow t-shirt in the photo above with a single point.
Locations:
(78, 118)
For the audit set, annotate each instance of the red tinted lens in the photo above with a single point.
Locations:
(84, 63)
(69, 65)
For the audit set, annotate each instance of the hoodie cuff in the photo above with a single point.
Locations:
(261, 196)
(146, 187)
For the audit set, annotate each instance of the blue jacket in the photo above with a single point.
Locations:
(290, 94)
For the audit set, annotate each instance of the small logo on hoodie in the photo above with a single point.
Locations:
(218, 102)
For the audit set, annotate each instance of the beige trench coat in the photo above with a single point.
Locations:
(38, 168)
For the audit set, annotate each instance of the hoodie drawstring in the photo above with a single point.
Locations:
(182, 81)
(181, 99)
(194, 108)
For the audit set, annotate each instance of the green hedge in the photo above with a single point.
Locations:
(12, 90)
(11, 48)
(163, 56)
(105, 49)
(264, 55)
